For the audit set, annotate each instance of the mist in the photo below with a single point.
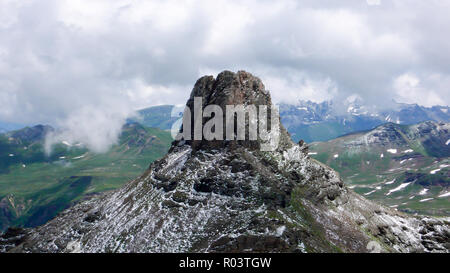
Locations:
(85, 66)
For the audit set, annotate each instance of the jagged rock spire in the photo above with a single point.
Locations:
(229, 88)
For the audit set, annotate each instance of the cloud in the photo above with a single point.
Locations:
(62, 61)
(373, 2)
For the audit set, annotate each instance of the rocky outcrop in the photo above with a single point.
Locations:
(230, 196)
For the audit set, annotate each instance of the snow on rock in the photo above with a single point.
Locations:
(66, 143)
(445, 194)
(78, 157)
(233, 197)
(434, 171)
(390, 182)
(402, 186)
(370, 192)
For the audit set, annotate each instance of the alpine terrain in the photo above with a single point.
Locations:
(310, 121)
(403, 166)
(35, 186)
(230, 196)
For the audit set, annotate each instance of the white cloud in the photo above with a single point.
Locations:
(409, 89)
(58, 57)
(373, 2)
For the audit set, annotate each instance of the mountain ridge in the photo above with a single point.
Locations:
(233, 198)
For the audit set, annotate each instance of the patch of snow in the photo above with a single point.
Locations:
(426, 199)
(408, 151)
(78, 157)
(378, 188)
(62, 157)
(73, 247)
(370, 192)
(23, 165)
(393, 206)
(336, 156)
(280, 230)
(423, 192)
(382, 155)
(392, 151)
(66, 143)
(403, 161)
(445, 194)
(368, 162)
(11, 155)
(312, 153)
(302, 108)
(444, 110)
(434, 171)
(412, 197)
(448, 142)
(443, 166)
(390, 182)
(402, 186)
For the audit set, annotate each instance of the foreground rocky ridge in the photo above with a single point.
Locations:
(231, 197)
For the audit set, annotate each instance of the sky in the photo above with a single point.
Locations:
(85, 66)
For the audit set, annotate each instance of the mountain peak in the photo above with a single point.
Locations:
(230, 196)
(230, 91)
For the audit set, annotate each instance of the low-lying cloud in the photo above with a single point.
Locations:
(85, 66)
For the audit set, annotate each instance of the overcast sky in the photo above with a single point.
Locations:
(88, 64)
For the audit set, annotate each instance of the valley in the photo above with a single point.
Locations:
(35, 187)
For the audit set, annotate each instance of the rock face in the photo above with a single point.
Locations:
(232, 197)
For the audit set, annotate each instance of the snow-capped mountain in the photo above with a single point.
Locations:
(229, 196)
(312, 121)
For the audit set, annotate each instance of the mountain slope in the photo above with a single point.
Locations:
(34, 187)
(406, 167)
(229, 196)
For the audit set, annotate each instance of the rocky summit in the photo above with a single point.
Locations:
(233, 197)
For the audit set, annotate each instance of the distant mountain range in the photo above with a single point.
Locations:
(35, 187)
(319, 121)
(322, 121)
(8, 126)
(231, 196)
(403, 166)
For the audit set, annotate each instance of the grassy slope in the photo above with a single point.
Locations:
(364, 169)
(37, 192)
